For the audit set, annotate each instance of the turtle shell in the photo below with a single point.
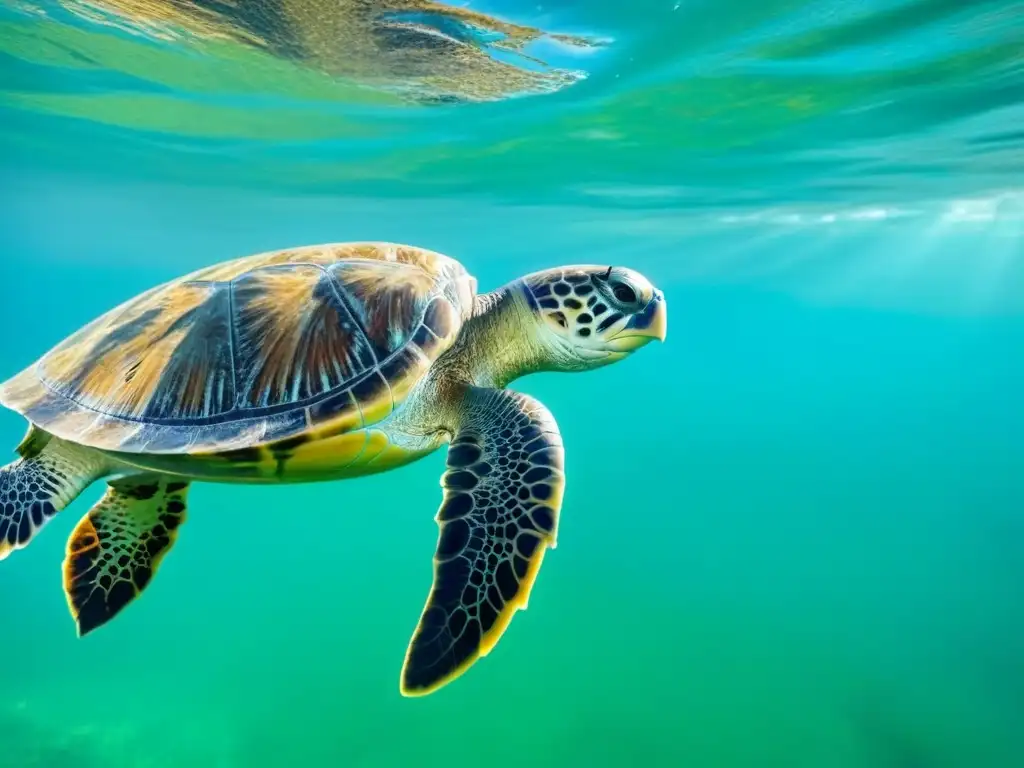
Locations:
(252, 351)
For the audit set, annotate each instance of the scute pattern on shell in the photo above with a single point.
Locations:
(251, 351)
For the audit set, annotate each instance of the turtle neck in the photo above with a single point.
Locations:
(499, 343)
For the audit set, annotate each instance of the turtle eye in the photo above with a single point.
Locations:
(624, 293)
(618, 289)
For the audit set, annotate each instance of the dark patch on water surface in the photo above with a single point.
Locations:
(424, 51)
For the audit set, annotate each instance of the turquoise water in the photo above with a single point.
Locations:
(793, 535)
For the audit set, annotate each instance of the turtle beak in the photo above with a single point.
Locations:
(659, 322)
(645, 326)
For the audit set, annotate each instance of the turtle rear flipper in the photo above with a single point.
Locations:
(47, 477)
(503, 492)
(116, 548)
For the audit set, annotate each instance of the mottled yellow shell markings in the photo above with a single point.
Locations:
(376, 401)
(376, 441)
(391, 300)
(294, 339)
(324, 256)
(23, 391)
(332, 453)
(119, 372)
(348, 419)
(338, 456)
(349, 452)
(389, 456)
(306, 343)
(229, 270)
(419, 363)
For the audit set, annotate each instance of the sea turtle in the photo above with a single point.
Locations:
(319, 363)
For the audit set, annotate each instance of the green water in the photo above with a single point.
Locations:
(793, 535)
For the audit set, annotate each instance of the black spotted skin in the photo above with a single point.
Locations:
(575, 300)
(503, 491)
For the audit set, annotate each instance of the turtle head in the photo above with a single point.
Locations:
(590, 316)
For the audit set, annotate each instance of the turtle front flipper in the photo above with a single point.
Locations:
(115, 549)
(502, 494)
(47, 477)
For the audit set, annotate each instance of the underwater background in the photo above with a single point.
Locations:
(793, 535)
